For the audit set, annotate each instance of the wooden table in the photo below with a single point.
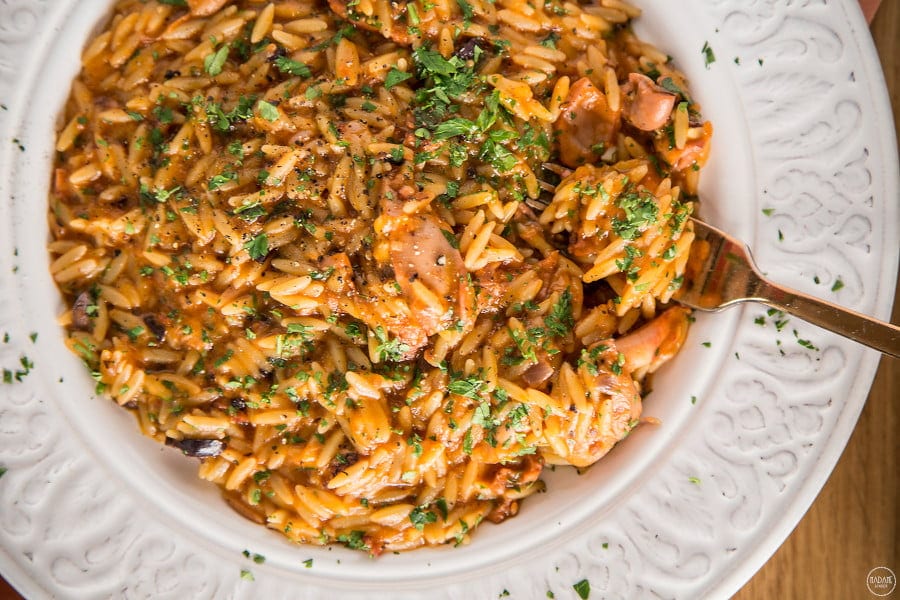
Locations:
(853, 525)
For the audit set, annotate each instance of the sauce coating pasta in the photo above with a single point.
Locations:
(294, 241)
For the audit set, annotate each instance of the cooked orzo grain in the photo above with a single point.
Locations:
(294, 241)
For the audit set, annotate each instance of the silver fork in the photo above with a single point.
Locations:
(720, 273)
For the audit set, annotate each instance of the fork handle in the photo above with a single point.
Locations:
(876, 334)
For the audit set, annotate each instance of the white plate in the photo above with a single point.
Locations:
(690, 508)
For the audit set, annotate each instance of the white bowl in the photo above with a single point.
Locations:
(689, 507)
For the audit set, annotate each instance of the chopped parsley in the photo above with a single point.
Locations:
(583, 589)
(17, 375)
(668, 84)
(709, 57)
(158, 194)
(616, 367)
(292, 67)
(441, 504)
(550, 40)
(218, 181)
(419, 517)
(451, 239)
(257, 558)
(389, 350)
(321, 275)
(454, 127)
(163, 114)
(354, 540)
(222, 121)
(466, 9)
(805, 343)
(267, 111)
(213, 63)
(467, 442)
(482, 416)
(640, 212)
(394, 77)
(258, 247)
(559, 320)
(470, 387)
(312, 92)
(135, 332)
(413, 14)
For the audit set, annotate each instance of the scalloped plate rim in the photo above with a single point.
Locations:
(815, 479)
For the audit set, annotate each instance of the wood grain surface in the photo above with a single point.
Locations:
(854, 524)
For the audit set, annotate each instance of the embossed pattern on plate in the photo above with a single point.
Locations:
(746, 466)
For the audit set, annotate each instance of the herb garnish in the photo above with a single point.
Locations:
(258, 247)
(640, 212)
(395, 76)
(560, 320)
(583, 589)
(419, 517)
(709, 56)
(213, 63)
(267, 111)
(292, 67)
(354, 540)
(470, 387)
(389, 350)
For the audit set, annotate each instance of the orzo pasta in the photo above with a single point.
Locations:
(295, 243)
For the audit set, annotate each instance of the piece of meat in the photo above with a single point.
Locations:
(609, 411)
(538, 373)
(422, 255)
(657, 342)
(415, 284)
(341, 279)
(512, 478)
(559, 276)
(646, 105)
(516, 476)
(612, 405)
(502, 510)
(586, 124)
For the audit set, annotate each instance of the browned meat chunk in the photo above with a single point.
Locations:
(586, 124)
(646, 105)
